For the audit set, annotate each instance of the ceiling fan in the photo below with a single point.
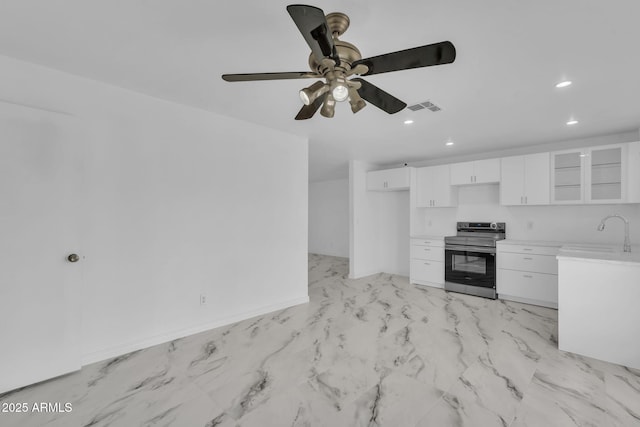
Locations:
(335, 60)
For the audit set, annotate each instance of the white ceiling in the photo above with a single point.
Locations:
(498, 94)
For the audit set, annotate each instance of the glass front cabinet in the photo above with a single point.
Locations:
(589, 175)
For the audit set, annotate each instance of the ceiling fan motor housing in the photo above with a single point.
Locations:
(347, 53)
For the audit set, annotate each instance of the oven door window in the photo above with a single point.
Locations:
(466, 263)
(470, 268)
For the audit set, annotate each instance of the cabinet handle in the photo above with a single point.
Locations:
(527, 258)
(527, 276)
(525, 200)
(434, 203)
(426, 242)
(426, 263)
(527, 249)
(427, 249)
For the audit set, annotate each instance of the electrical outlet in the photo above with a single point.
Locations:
(203, 299)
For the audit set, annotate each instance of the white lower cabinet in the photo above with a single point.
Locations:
(427, 261)
(529, 287)
(528, 273)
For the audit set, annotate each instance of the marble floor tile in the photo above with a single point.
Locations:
(376, 351)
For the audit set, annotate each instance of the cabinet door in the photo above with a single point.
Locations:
(443, 194)
(376, 180)
(536, 179)
(567, 177)
(427, 271)
(461, 173)
(604, 178)
(424, 187)
(633, 173)
(486, 171)
(388, 179)
(397, 179)
(539, 287)
(512, 183)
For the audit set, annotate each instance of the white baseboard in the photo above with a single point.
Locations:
(361, 275)
(547, 304)
(125, 348)
(425, 283)
(329, 254)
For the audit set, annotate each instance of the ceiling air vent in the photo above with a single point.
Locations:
(426, 104)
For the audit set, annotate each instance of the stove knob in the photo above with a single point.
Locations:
(494, 226)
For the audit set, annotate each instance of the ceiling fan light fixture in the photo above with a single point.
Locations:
(309, 94)
(357, 103)
(328, 107)
(339, 89)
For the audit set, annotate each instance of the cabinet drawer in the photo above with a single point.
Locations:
(528, 262)
(534, 286)
(427, 271)
(427, 252)
(428, 242)
(523, 249)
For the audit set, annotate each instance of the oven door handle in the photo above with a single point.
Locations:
(477, 249)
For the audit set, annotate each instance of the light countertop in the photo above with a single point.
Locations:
(591, 252)
(426, 236)
(530, 243)
(602, 254)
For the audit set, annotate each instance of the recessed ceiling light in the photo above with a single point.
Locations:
(449, 143)
(408, 122)
(572, 122)
(564, 84)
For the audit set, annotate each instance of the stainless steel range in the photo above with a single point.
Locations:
(470, 258)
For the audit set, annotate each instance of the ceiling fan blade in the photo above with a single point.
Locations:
(312, 24)
(379, 98)
(417, 57)
(307, 111)
(269, 76)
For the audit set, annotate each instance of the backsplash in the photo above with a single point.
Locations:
(570, 223)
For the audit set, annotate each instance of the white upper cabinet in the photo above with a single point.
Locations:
(589, 175)
(606, 174)
(525, 180)
(633, 168)
(477, 172)
(567, 176)
(433, 189)
(388, 179)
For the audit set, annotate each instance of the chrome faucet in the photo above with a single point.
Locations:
(627, 241)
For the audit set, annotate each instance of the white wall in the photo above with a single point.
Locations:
(555, 223)
(379, 227)
(179, 202)
(329, 217)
